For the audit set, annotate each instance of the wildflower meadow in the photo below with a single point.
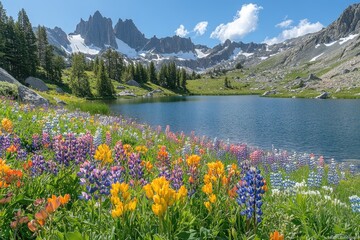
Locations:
(71, 175)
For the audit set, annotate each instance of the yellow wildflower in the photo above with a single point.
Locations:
(7, 125)
(120, 198)
(103, 154)
(163, 195)
(193, 160)
(127, 149)
(207, 188)
(212, 198)
(141, 149)
(207, 205)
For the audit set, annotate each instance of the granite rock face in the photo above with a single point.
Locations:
(127, 32)
(25, 93)
(36, 83)
(97, 31)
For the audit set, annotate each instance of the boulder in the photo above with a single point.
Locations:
(28, 95)
(267, 93)
(126, 93)
(133, 83)
(37, 84)
(312, 77)
(25, 93)
(323, 95)
(59, 101)
(59, 90)
(345, 71)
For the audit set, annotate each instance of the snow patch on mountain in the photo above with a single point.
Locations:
(201, 54)
(316, 57)
(77, 44)
(126, 49)
(348, 38)
(330, 44)
(237, 52)
(180, 55)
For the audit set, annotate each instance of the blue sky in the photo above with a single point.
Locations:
(215, 20)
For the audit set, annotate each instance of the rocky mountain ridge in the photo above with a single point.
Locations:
(96, 34)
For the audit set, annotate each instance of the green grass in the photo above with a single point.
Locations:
(216, 87)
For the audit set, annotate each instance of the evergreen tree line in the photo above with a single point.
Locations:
(24, 53)
(169, 75)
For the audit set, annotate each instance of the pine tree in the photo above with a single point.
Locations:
(42, 44)
(49, 65)
(104, 86)
(3, 20)
(114, 64)
(183, 79)
(163, 76)
(58, 66)
(152, 73)
(79, 82)
(27, 48)
(10, 52)
(172, 75)
(95, 66)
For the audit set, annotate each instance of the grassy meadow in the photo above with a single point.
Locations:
(69, 174)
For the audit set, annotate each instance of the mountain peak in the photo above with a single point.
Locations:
(97, 31)
(127, 32)
(348, 23)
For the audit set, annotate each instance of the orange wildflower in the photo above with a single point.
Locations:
(27, 165)
(276, 236)
(11, 149)
(53, 203)
(64, 199)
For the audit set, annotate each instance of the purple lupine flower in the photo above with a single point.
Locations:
(65, 149)
(22, 154)
(38, 165)
(52, 167)
(120, 155)
(276, 180)
(97, 181)
(333, 177)
(36, 141)
(98, 138)
(136, 169)
(116, 174)
(108, 139)
(5, 142)
(17, 141)
(176, 178)
(250, 194)
(314, 179)
(46, 141)
(84, 148)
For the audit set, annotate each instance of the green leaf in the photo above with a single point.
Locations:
(74, 236)
(338, 229)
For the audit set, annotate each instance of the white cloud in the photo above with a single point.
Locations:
(181, 31)
(284, 24)
(244, 22)
(304, 27)
(200, 28)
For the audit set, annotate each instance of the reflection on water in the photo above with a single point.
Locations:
(327, 127)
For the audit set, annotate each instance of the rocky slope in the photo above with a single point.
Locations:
(25, 93)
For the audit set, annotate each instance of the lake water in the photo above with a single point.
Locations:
(326, 127)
